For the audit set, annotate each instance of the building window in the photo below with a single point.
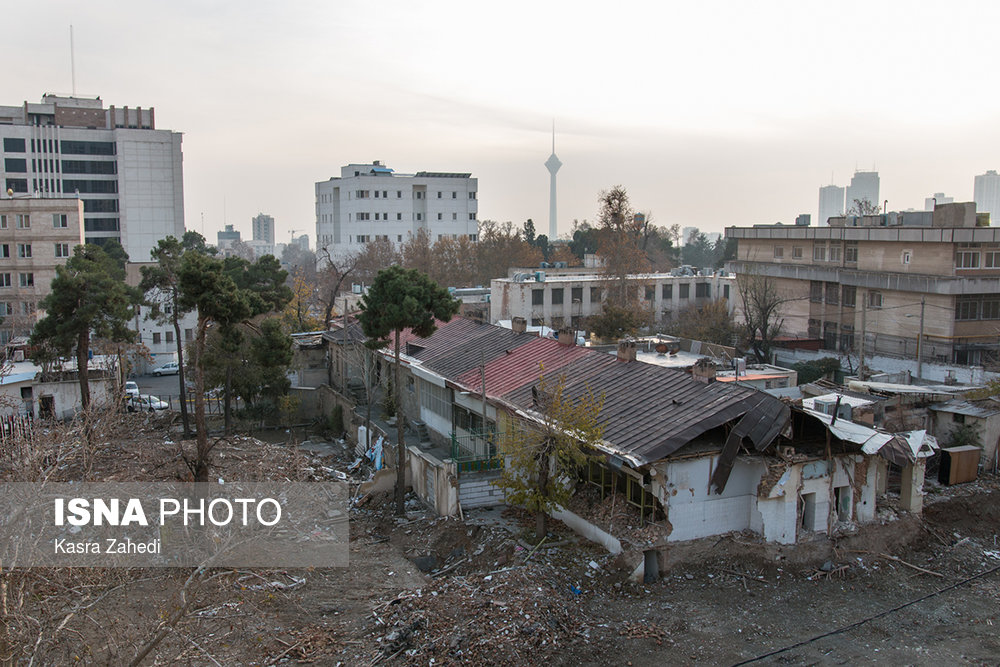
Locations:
(576, 295)
(667, 291)
(27, 307)
(813, 328)
(3, 222)
(990, 310)
(472, 216)
(419, 194)
(399, 238)
(472, 195)
(834, 252)
(439, 194)
(905, 257)
(816, 291)
(156, 338)
(59, 220)
(399, 216)
(797, 252)
(189, 335)
(967, 310)
(454, 216)
(557, 296)
(819, 252)
(991, 259)
(439, 216)
(4, 280)
(833, 293)
(650, 292)
(454, 195)
(23, 221)
(725, 291)
(377, 194)
(595, 294)
(5, 251)
(684, 291)
(27, 279)
(24, 250)
(6, 308)
(874, 299)
(967, 259)
(779, 251)
(703, 290)
(170, 336)
(849, 295)
(420, 216)
(399, 194)
(537, 297)
(473, 237)
(62, 250)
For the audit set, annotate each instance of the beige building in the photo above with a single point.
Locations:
(565, 299)
(36, 235)
(888, 276)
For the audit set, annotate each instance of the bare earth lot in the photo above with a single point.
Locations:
(486, 599)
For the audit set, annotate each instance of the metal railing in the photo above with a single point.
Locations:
(477, 453)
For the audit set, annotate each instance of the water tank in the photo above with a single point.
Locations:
(539, 276)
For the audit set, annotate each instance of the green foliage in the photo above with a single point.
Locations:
(333, 424)
(400, 299)
(964, 435)
(389, 400)
(88, 299)
(810, 371)
(544, 456)
(617, 321)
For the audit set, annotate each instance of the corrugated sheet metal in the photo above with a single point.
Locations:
(523, 365)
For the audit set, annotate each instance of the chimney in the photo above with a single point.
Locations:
(626, 350)
(568, 337)
(519, 325)
(703, 371)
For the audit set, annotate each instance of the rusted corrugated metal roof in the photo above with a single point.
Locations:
(522, 365)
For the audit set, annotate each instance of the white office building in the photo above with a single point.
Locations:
(831, 203)
(987, 195)
(127, 173)
(370, 201)
(864, 187)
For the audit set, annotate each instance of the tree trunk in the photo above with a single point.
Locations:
(228, 404)
(541, 518)
(400, 442)
(180, 372)
(82, 367)
(201, 462)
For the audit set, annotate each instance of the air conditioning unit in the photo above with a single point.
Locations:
(827, 407)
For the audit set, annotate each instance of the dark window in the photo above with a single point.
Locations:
(967, 310)
(668, 291)
(170, 336)
(702, 290)
(100, 205)
(725, 291)
(813, 328)
(557, 296)
(833, 293)
(17, 184)
(103, 241)
(189, 334)
(12, 145)
(650, 292)
(89, 167)
(101, 225)
(16, 164)
(850, 295)
(156, 338)
(4, 251)
(577, 295)
(830, 335)
(684, 291)
(816, 291)
(537, 297)
(595, 294)
(104, 187)
(87, 147)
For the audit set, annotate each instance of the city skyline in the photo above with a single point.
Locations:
(706, 122)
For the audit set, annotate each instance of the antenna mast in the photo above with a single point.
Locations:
(72, 59)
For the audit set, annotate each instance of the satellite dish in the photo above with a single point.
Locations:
(10, 192)
(661, 348)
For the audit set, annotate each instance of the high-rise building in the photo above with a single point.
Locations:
(227, 237)
(370, 201)
(128, 173)
(987, 195)
(937, 199)
(863, 188)
(263, 228)
(553, 164)
(831, 203)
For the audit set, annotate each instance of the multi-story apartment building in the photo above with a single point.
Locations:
(559, 301)
(370, 201)
(127, 172)
(36, 236)
(158, 337)
(263, 228)
(884, 279)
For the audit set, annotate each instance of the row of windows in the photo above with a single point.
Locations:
(974, 259)
(24, 280)
(833, 294)
(368, 238)
(101, 187)
(15, 145)
(384, 194)
(978, 308)
(24, 307)
(362, 216)
(61, 250)
(823, 252)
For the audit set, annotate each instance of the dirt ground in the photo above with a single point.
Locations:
(904, 590)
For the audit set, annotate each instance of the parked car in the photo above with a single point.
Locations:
(131, 389)
(146, 403)
(169, 368)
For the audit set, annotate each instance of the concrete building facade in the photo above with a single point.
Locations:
(371, 201)
(128, 174)
(831, 203)
(883, 279)
(560, 301)
(36, 236)
(263, 228)
(864, 187)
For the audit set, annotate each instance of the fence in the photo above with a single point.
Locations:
(475, 453)
(16, 426)
(213, 405)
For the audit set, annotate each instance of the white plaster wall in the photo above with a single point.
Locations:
(694, 513)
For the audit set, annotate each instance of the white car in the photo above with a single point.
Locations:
(169, 368)
(146, 403)
(131, 389)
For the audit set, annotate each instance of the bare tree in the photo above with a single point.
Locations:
(761, 303)
(863, 206)
(330, 278)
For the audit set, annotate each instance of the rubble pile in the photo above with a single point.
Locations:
(616, 516)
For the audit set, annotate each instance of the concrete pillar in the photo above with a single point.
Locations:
(882, 471)
(911, 492)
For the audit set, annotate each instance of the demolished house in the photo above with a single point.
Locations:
(692, 456)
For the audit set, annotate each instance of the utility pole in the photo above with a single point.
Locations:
(920, 340)
(482, 373)
(864, 321)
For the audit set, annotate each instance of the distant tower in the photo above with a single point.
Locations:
(553, 164)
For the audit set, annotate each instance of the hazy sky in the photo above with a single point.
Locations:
(710, 113)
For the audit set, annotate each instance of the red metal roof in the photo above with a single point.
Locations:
(522, 365)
